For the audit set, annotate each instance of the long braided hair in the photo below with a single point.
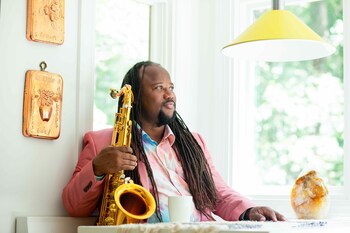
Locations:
(195, 167)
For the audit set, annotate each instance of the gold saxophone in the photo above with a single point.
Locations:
(123, 201)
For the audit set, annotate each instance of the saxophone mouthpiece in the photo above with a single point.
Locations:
(113, 93)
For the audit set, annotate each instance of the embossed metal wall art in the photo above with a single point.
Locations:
(42, 104)
(45, 21)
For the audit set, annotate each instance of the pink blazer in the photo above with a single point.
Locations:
(81, 194)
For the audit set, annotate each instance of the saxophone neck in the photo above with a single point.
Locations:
(128, 96)
(123, 125)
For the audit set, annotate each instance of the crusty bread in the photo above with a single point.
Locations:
(309, 197)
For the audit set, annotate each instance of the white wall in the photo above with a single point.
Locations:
(34, 171)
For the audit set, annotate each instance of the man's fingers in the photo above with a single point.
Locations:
(126, 157)
(128, 161)
(280, 217)
(115, 149)
(113, 159)
(125, 149)
(257, 217)
(269, 214)
(265, 214)
(129, 166)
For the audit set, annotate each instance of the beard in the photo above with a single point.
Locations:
(164, 119)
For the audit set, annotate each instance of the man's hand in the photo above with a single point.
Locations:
(113, 159)
(262, 213)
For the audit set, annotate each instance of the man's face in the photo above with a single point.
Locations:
(158, 99)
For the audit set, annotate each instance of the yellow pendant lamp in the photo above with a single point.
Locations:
(278, 36)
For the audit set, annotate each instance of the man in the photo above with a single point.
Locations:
(165, 158)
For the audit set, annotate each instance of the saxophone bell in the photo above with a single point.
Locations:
(134, 202)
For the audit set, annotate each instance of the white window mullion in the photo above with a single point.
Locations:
(161, 33)
(346, 18)
(243, 107)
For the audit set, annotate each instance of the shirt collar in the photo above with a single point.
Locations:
(168, 135)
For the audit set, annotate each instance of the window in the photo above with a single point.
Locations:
(122, 39)
(292, 113)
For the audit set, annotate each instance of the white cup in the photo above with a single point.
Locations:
(180, 208)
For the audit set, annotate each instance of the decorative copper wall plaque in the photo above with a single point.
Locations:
(45, 21)
(42, 104)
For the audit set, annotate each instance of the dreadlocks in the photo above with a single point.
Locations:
(195, 167)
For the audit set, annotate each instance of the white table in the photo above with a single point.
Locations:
(294, 226)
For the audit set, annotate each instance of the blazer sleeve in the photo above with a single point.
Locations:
(231, 204)
(82, 193)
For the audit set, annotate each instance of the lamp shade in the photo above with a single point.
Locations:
(278, 36)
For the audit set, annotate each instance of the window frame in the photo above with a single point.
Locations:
(241, 115)
(161, 23)
(156, 47)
